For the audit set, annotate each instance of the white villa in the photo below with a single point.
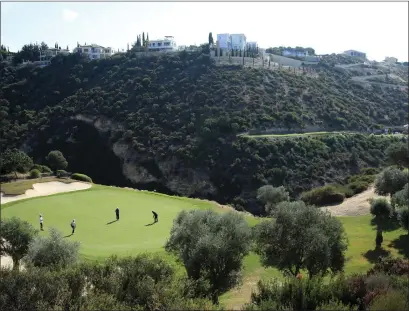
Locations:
(355, 53)
(45, 57)
(295, 52)
(166, 44)
(252, 45)
(94, 51)
(391, 60)
(238, 41)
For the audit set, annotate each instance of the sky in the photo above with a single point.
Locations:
(379, 29)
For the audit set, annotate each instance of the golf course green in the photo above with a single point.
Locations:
(94, 212)
(101, 235)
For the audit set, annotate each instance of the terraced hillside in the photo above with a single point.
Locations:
(170, 123)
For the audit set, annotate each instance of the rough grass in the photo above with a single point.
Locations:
(101, 236)
(21, 186)
(297, 134)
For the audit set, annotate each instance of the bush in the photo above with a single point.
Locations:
(61, 173)
(42, 168)
(53, 251)
(392, 300)
(391, 266)
(323, 196)
(358, 186)
(35, 173)
(81, 177)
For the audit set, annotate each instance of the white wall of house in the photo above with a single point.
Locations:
(224, 41)
(238, 41)
(355, 53)
(252, 45)
(391, 60)
(94, 51)
(295, 53)
(166, 44)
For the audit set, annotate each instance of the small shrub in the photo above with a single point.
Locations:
(81, 177)
(392, 300)
(61, 173)
(323, 196)
(358, 186)
(45, 169)
(35, 173)
(391, 266)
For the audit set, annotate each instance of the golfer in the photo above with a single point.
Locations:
(117, 213)
(41, 222)
(155, 216)
(73, 226)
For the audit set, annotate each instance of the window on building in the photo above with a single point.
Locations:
(159, 43)
(85, 50)
(166, 43)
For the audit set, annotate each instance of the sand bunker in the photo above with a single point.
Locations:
(44, 189)
(357, 205)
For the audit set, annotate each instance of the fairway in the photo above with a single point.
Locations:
(93, 211)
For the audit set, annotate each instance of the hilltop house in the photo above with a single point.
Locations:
(391, 60)
(166, 44)
(294, 52)
(47, 55)
(252, 45)
(355, 53)
(94, 51)
(238, 42)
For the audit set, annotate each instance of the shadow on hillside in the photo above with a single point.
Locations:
(111, 222)
(373, 255)
(67, 236)
(150, 224)
(402, 245)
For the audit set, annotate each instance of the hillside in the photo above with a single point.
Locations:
(170, 123)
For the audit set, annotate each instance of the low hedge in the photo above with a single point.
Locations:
(323, 196)
(81, 177)
(35, 173)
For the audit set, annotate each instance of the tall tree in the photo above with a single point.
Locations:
(143, 38)
(301, 237)
(147, 39)
(15, 238)
(211, 246)
(56, 160)
(211, 41)
(271, 196)
(390, 181)
(382, 211)
(14, 160)
(398, 154)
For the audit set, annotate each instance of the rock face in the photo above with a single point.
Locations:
(169, 172)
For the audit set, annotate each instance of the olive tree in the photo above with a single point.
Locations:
(301, 237)
(271, 196)
(211, 246)
(53, 251)
(398, 154)
(56, 160)
(382, 211)
(400, 203)
(15, 238)
(390, 181)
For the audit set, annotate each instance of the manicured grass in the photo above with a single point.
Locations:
(93, 209)
(133, 234)
(21, 186)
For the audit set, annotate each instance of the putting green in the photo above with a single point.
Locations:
(94, 212)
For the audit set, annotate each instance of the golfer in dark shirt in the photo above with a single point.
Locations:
(117, 213)
(73, 226)
(155, 216)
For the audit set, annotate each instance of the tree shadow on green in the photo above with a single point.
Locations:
(391, 224)
(373, 255)
(402, 245)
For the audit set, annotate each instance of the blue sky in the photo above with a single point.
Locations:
(379, 29)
